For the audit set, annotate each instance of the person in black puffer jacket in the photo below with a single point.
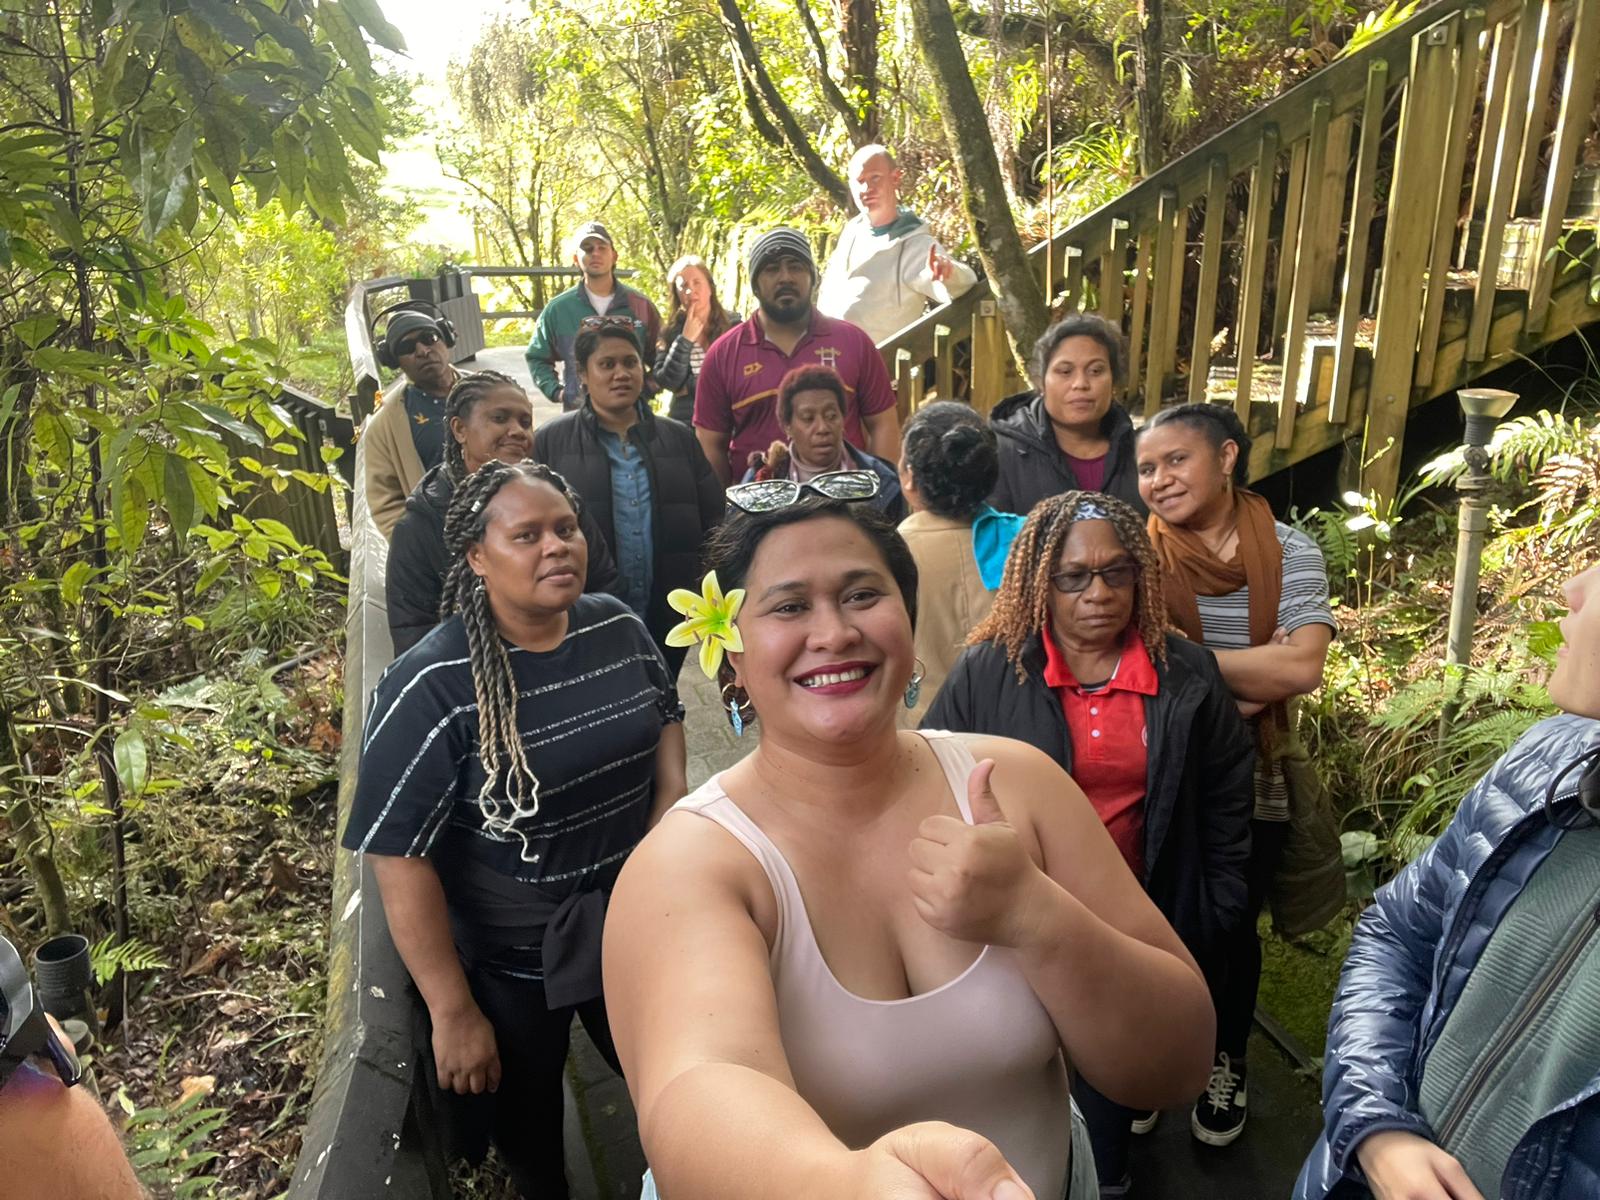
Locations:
(1068, 434)
(644, 477)
(488, 417)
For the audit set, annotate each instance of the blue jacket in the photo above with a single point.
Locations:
(1412, 953)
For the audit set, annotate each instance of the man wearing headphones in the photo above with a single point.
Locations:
(405, 436)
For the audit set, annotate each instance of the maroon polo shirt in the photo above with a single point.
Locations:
(737, 391)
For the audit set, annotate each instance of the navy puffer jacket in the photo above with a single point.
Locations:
(1411, 956)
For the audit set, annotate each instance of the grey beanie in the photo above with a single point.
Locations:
(406, 321)
(783, 240)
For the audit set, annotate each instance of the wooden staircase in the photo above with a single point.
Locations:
(1412, 216)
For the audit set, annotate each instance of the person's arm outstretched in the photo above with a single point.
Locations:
(695, 1020)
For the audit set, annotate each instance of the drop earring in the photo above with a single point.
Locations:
(735, 715)
(914, 684)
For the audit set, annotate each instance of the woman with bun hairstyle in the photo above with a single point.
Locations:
(1254, 592)
(948, 465)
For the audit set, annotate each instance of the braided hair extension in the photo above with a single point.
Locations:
(1023, 602)
(499, 741)
(469, 389)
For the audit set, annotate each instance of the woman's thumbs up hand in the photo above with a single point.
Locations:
(935, 1161)
(976, 882)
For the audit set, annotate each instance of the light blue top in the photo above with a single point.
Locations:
(632, 522)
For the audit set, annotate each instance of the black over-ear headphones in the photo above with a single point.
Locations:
(380, 346)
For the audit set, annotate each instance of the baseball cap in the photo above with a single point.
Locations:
(591, 229)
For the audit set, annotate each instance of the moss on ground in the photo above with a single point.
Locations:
(1298, 980)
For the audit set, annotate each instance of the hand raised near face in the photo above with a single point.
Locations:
(976, 882)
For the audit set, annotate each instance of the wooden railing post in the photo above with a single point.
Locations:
(1168, 269)
(1298, 255)
(944, 366)
(1407, 241)
(1144, 247)
(989, 354)
(1112, 264)
(1355, 267)
(1205, 303)
(1577, 103)
(1503, 181)
(1253, 276)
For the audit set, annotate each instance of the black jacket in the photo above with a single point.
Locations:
(687, 500)
(414, 578)
(1033, 467)
(1199, 793)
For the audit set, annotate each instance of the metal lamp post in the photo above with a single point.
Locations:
(1483, 408)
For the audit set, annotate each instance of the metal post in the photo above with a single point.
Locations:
(1483, 408)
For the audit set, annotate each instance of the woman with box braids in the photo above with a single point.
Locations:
(511, 764)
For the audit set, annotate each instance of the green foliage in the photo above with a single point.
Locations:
(108, 956)
(166, 1145)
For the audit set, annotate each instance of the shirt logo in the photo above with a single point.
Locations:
(751, 368)
(420, 418)
(828, 356)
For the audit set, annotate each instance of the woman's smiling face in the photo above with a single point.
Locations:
(499, 426)
(827, 639)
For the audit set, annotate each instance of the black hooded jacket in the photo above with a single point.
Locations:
(1200, 768)
(687, 499)
(414, 578)
(1033, 467)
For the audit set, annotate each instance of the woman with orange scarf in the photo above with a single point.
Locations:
(1255, 592)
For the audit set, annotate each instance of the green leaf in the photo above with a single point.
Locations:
(177, 494)
(226, 19)
(132, 761)
(340, 29)
(35, 329)
(164, 178)
(370, 17)
(72, 581)
(288, 35)
(202, 485)
(213, 571)
(223, 419)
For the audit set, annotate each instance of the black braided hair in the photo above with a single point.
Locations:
(469, 389)
(499, 741)
(1217, 423)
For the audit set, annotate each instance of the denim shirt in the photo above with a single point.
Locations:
(425, 415)
(633, 532)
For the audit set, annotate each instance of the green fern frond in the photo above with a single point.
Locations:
(108, 957)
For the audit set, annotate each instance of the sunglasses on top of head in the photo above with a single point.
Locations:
(426, 338)
(767, 495)
(624, 323)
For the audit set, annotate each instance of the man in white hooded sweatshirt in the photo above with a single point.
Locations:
(887, 264)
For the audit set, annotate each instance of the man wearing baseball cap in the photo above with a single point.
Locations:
(598, 294)
(405, 436)
(735, 406)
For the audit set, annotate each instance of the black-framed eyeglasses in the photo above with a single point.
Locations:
(768, 495)
(24, 1031)
(426, 338)
(1078, 579)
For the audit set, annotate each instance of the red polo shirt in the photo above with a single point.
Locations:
(1109, 739)
(737, 389)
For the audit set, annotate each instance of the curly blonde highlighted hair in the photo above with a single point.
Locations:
(1022, 605)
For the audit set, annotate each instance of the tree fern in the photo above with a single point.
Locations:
(108, 957)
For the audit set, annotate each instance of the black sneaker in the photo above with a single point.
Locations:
(1118, 1190)
(1219, 1115)
(1144, 1122)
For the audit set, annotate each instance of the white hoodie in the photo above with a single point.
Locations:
(881, 281)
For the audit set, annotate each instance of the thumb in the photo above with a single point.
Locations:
(980, 796)
(958, 1163)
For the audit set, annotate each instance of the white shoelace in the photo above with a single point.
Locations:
(1223, 1084)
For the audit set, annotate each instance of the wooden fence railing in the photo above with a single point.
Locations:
(1388, 229)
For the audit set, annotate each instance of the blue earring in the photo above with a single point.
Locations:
(914, 686)
(735, 717)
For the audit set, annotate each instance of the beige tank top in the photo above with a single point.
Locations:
(980, 1051)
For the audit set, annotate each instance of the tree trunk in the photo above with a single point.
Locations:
(29, 837)
(793, 136)
(1149, 103)
(983, 192)
(858, 34)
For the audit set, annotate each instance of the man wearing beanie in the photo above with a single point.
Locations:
(405, 436)
(735, 405)
(599, 293)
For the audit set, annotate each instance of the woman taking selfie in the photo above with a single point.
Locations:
(512, 761)
(858, 963)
